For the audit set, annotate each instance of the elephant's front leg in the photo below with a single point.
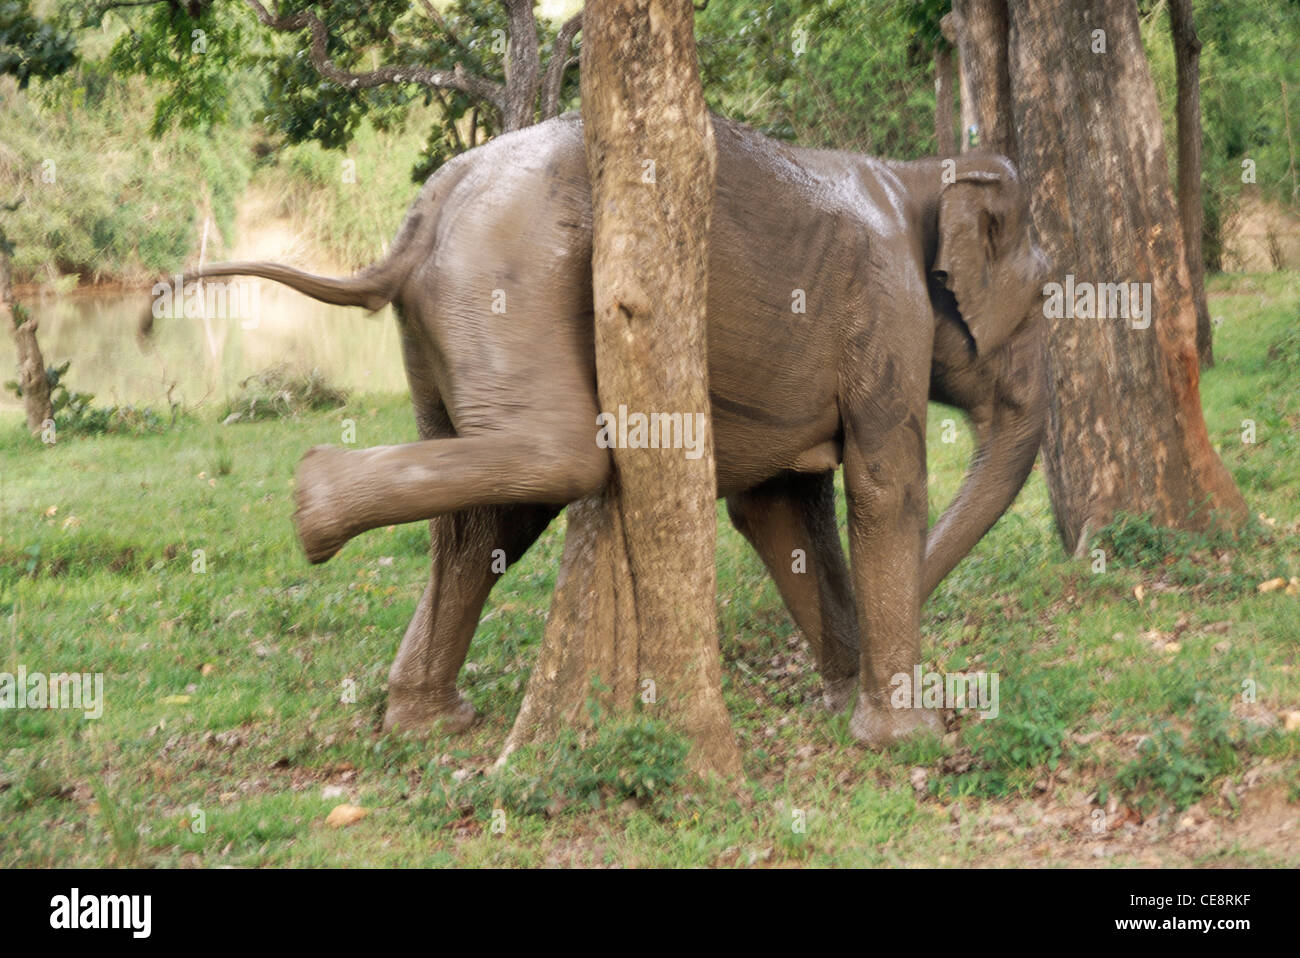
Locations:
(790, 522)
(885, 483)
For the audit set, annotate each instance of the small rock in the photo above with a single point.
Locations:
(1291, 720)
(333, 791)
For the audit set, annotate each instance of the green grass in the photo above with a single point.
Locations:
(224, 688)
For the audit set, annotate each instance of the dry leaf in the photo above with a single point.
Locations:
(1139, 592)
(1291, 720)
(345, 815)
(176, 700)
(1271, 584)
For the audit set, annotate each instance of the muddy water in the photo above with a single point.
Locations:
(203, 361)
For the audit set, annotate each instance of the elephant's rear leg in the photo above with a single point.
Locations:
(790, 522)
(422, 682)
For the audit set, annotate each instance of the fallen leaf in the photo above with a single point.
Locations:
(1291, 720)
(176, 700)
(345, 815)
(1139, 592)
(1271, 584)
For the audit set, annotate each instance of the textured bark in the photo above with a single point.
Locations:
(523, 67)
(981, 27)
(1125, 428)
(31, 364)
(944, 142)
(635, 600)
(1187, 59)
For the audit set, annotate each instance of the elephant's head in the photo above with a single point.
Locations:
(986, 283)
(984, 254)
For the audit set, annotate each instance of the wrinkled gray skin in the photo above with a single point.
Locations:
(915, 289)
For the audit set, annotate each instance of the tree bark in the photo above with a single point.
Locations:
(981, 27)
(31, 364)
(1187, 60)
(944, 142)
(1125, 430)
(634, 605)
(523, 66)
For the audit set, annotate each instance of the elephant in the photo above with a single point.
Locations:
(844, 292)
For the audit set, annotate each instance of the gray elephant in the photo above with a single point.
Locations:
(844, 292)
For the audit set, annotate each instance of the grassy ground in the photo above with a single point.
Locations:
(1126, 733)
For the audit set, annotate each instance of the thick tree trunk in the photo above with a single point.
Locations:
(634, 607)
(31, 364)
(1125, 425)
(981, 27)
(1187, 58)
(945, 143)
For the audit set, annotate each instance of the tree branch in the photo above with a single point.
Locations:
(456, 79)
(560, 61)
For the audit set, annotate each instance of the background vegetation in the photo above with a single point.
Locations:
(151, 140)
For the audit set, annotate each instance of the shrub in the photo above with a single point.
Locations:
(634, 758)
(282, 392)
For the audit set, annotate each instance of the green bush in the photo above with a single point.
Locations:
(282, 392)
(75, 414)
(1028, 735)
(635, 758)
(1179, 769)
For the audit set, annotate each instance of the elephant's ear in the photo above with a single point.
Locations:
(972, 237)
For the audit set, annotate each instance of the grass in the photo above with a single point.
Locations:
(1138, 717)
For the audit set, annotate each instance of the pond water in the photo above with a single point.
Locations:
(203, 360)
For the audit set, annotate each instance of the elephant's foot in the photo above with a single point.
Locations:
(879, 726)
(837, 694)
(318, 517)
(413, 710)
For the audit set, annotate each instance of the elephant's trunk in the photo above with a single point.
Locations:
(1008, 439)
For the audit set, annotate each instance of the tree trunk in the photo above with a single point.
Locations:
(523, 66)
(981, 27)
(31, 364)
(944, 142)
(1187, 58)
(634, 604)
(1125, 430)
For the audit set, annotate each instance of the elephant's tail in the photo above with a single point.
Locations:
(374, 287)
